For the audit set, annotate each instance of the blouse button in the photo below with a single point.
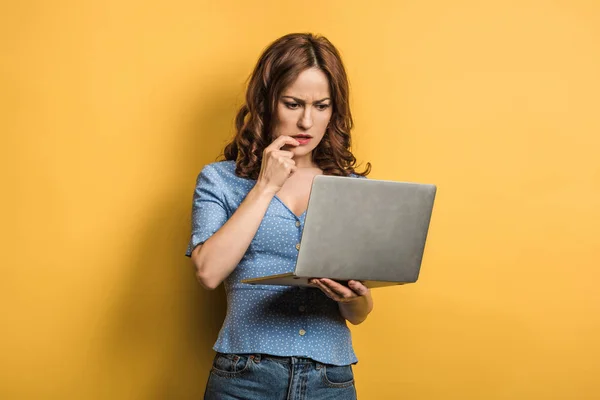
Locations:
(302, 308)
(297, 246)
(298, 224)
(302, 332)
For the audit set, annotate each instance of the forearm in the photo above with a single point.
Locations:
(223, 251)
(356, 311)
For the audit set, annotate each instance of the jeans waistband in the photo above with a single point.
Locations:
(284, 359)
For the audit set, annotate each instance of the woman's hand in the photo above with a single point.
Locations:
(277, 165)
(355, 301)
(338, 292)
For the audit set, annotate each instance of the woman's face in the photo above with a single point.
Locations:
(304, 110)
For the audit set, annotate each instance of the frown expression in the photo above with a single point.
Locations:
(304, 110)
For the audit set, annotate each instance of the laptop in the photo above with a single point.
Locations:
(369, 230)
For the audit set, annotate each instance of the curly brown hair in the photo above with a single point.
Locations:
(279, 66)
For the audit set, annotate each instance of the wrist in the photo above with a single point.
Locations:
(353, 300)
(264, 189)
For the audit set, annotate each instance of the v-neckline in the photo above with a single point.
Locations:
(289, 209)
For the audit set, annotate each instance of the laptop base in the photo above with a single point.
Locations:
(290, 279)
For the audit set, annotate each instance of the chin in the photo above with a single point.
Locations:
(301, 151)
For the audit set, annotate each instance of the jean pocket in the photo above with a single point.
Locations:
(338, 376)
(230, 365)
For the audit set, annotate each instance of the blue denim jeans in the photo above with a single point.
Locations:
(265, 377)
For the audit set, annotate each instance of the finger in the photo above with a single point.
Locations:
(326, 290)
(285, 160)
(338, 288)
(282, 141)
(290, 166)
(282, 153)
(358, 288)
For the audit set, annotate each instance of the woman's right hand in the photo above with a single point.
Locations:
(277, 165)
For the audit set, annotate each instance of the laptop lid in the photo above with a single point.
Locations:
(365, 229)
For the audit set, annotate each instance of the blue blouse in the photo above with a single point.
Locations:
(266, 319)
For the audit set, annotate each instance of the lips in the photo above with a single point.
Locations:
(303, 139)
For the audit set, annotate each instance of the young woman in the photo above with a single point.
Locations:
(278, 342)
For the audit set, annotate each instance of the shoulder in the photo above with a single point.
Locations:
(220, 170)
(221, 176)
(220, 167)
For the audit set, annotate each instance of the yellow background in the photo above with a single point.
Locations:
(109, 109)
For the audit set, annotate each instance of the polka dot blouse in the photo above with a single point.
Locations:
(276, 320)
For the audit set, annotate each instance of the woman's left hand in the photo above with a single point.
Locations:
(338, 292)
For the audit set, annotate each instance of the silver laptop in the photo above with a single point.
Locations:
(362, 229)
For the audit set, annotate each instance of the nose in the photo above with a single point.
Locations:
(305, 122)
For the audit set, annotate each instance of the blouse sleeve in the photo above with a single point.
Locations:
(209, 212)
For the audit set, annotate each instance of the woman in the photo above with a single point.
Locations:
(278, 342)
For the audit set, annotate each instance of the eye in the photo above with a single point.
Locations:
(292, 106)
(322, 107)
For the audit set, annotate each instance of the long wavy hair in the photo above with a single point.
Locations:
(279, 66)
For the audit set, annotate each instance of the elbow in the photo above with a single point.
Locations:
(204, 276)
(357, 321)
(209, 284)
(207, 280)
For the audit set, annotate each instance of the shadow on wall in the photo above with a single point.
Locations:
(164, 323)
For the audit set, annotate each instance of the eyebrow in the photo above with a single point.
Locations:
(303, 102)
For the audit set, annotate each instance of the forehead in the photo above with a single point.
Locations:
(311, 83)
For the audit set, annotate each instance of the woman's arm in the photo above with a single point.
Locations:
(357, 310)
(222, 252)
(355, 301)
